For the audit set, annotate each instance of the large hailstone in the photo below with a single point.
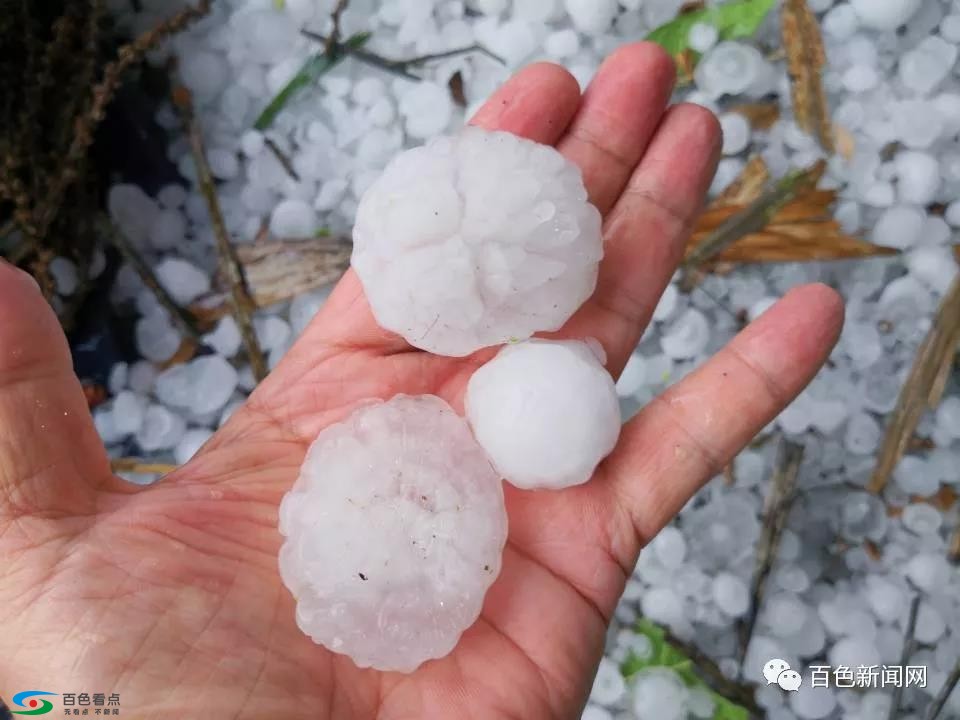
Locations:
(394, 532)
(546, 412)
(476, 240)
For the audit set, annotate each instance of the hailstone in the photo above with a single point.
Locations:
(475, 240)
(546, 412)
(393, 532)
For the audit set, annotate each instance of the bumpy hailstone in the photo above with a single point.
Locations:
(475, 240)
(546, 412)
(394, 532)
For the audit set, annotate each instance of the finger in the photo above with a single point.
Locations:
(618, 116)
(647, 230)
(51, 458)
(689, 434)
(537, 103)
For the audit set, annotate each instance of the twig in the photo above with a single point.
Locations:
(281, 158)
(777, 508)
(741, 693)
(136, 466)
(103, 93)
(923, 385)
(242, 306)
(953, 551)
(755, 216)
(178, 315)
(909, 645)
(941, 699)
(401, 67)
(330, 47)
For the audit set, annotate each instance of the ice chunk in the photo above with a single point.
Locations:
(133, 211)
(813, 703)
(730, 68)
(394, 531)
(293, 219)
(899, 227)
(886, 598)
(182, 279)
(633, 377)
(930, 624)
(918, 177)
(702, 37)
(168, 229)
(156, 338)
(921, 518)
(928, 571)
(225, 338)
(427, 109)
(203, 72)
(669, 547)
(924, 67)
(659, 694)
(117, 380)
(912, 477)
(687, 337)
(476, 240)
(609, 687)
(128, 412)
(545, 412)
(885, 14)
(592, 17)
(736, 133)
(948, 417)
(562, 44)
(862, 435)
(731, 594)
(160, 430)
(201, 386)
(190, 443)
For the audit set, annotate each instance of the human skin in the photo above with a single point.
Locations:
(169, 595)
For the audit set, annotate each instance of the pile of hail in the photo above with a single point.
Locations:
(396, 525)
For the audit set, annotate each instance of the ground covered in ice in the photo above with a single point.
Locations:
(848, 562)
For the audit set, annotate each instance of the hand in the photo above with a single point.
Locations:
(169, 595)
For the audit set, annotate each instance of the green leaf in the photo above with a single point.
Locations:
(279, 4)
(665, 655)
(311, 71)
(323, 232)
(740, 18)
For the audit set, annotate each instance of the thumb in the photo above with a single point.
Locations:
(51, 458)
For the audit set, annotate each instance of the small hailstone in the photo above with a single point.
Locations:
(117, 380)
(927, 65)
(948, 416)
(670, 547)
(730, 68)
(545, 412)
(223, 163)
(687, 336)
(736, 133)
(592, 17)
(813, 703)
(191, 441)
(172, 196)
(394, 532)
(168, 229)
(928, 571)
(225, 338)
(252, 143)
(659, 694)
(204, 73)
(156, 339)
(900, 226)
(702, 37)
(293, 219)
(133, 211)
(475, 240)
(160, 430)
(562, 44)
(918, 176)
(667, 303)
(304, 307)
(183, 280)
(731, 594)
(595, 712)
(201, 385)
(700, 703)
(608, 685)
(64, 274)
(272, 332)
(886, 15)
(427, 109)
(128, 412)
(633, 377)
(930, 624)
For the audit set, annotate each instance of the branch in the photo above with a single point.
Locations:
(941, 699)
(909, 645)
(242, 307)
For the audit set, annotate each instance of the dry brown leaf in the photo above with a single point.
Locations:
(760, 115)
(455, 84)
(872, 550)
(845, 141)
(953, 551)
(801, 230)
(806, 58)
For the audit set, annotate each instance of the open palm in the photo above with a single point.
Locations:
(169, 595)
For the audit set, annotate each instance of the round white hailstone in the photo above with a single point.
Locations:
(853, 651)
(667, 303)
(663, 605)
(633, 377)
(545, 412)
(141, 376)
(223, 163)
(841, 22)
(272, 332)
(659, 694)
(702, 37)
(394, 532)
(183, 280)
(928, 571)
(190, 443)
(731, 594)
(700, 703)
(592, 17)
(117, 380)
(948, 416)
(730, 68)
(161, 429)
(128, 411)
(687, 336)
(133, 211)
(933, 266)
(427, 109)
(670, 547)
(200, 386)
(64, 273)
(156, 339)
(225, 338)
(918, 176)
(172, 196)
(930, 624)
(204, 73)
(293, 219)
(813, 703)
(784, 613)
(168, 230)
(900, 226)
(537, 11)
(595, 712)
(862, 435)
(608, 685)
(736, 133)
(887, 15)
(562, 44)
(475, 240)
(267, 34)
